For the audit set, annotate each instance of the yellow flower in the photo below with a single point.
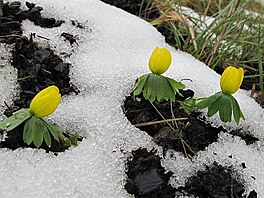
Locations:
(45, 102)
(160, 60)
(231, 79)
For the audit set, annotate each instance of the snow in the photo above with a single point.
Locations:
(8, 78)
(112, 51)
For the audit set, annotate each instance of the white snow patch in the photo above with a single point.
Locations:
(111, 53)
(8, 79)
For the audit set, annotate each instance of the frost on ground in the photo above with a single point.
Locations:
(112, 51)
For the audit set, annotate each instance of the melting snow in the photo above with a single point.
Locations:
(112, 51)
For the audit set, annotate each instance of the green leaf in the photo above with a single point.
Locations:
(175, 85)
(169, 93)
(237, 113)
(157, 87)
(188, 105)
(206, 102)
(140, 84)
(160, 92)
(16, 119)
(215, 107)
(53, 129)
(225, 111)
(46, 133)
(74, 139)
(71, 141)
(148, 88)
(57, 128)
(28, 130)
(66, 143)
(37, 132)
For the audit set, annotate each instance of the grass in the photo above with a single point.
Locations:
(234, 36)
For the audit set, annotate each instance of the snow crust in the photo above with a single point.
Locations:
(8, 78)
(112, 51)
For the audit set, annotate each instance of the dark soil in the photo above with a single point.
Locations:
(146, 176)
(196, 133)
(69, 37)
(248, 138)
(13, 15)
(147, 179)
(38, 67)
(215, 182)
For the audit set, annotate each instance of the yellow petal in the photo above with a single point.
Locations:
(45, 102)
(160, 60)
(231, 79)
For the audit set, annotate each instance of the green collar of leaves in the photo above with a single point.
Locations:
(157, 87)
(225, 104)
(37, 129)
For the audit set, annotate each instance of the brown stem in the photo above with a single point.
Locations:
(62, 137)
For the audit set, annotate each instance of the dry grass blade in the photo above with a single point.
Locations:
(169, 14)
(220, 38)
(159, 122)
(207, 8)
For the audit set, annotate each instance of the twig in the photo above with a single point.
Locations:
(11, 35)
(158, 122)
(24, 78)
(46, 71)
(7, 105)
(43, 37)
(172, 114)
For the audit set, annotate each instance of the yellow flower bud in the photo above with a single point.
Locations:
(45, 102)
(160, 60)
(231, 79)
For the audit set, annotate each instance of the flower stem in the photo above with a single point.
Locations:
(184, 143)
(62, 137)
